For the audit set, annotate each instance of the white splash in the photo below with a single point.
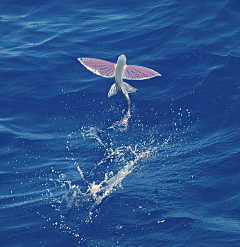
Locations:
(123, 123)
(96, 192)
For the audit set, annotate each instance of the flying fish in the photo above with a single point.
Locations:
(120, 71)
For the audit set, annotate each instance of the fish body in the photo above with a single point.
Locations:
(121, 62)
(120, 71)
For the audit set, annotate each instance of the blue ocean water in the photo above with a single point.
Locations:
(80, 169)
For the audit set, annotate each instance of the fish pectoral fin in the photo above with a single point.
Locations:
(99, 66)
(113, 90)
(134, 72)
(129, 88)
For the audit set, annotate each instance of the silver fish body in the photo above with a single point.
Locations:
(121, 62)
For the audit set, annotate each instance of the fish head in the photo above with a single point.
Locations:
(122, 59)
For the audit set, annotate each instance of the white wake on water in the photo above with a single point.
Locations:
(100, 159)
(123, 123)
(117, 163)
(96, 192)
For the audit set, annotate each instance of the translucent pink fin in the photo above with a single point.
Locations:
(99, 66)
(133, 72)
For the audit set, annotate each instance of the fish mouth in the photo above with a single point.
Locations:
(122, 58)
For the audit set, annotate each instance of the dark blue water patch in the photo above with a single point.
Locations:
(64, 143)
